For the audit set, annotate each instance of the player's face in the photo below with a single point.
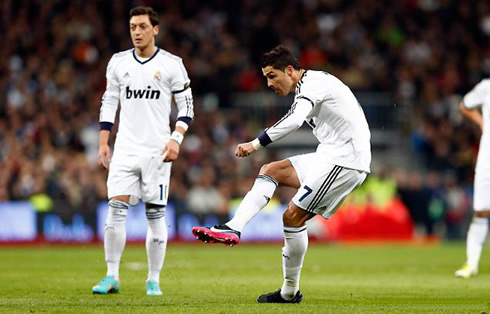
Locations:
(142, 32)
(280, 81)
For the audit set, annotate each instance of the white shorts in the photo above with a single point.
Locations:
(142, 177)
(481, 194)
(324, 186)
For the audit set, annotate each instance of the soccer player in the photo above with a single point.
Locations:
(476, 107)
(323, 179)
(143, 80)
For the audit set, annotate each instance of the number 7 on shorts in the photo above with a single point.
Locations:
(308, 192)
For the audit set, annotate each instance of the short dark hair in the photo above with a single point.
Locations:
(152, 15)
(279, 58)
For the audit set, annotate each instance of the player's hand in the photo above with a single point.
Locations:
(104, 155)
(172, 150)
(244, 149)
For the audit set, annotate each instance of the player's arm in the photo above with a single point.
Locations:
(107, 116)
(182, 94)
(186, 113)
(104, 150)
(171, 150)
(289, 123)
(473, 114)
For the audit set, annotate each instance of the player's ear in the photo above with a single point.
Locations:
(289, 70)
(156, 29)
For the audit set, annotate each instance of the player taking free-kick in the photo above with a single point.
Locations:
(322, 179)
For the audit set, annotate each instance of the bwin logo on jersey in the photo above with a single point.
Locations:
(142, 93)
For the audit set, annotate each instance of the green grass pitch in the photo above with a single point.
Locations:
(216, 279)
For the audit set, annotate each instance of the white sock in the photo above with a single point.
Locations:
(293, 254)
(156, 241)
(115, 236)
(256, 199)
(477, 234)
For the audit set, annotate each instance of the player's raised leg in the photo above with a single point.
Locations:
(156, 245)
(270, 177)
(114, 242)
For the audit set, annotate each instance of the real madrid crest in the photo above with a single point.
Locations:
(157, 76)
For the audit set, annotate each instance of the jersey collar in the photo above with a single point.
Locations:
(303, 75)
(146, 61)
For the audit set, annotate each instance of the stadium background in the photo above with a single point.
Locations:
(409, 62)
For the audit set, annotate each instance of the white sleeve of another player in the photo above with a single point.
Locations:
(291, 121)
(110, 99)
(476, 96)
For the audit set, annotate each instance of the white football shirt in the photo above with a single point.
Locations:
(479, 96)
(144, 88)
(330, 108)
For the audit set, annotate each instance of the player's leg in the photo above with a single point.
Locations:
(477, 232)
(114, 242)
(270, 177)
(121, 183)
(156, 246)
(293, 253)
(294, 250)
(155, 177)
(321, 193)
(115, 233)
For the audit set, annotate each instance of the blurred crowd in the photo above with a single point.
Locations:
(428, 53)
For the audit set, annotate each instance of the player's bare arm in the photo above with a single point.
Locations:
(104, 149)
(171, 150)
(244, 149)
(474, 115)
(282, 82)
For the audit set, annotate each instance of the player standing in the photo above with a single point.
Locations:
(322, 179)
(143, 80)
(476, 108)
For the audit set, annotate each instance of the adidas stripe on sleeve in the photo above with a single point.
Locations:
(289, 123)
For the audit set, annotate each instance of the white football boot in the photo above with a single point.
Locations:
(466, 271)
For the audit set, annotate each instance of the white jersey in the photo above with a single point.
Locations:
(479, 96)
(330, 108)
(144, 88)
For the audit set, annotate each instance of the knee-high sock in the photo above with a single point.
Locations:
(256, 199)
(293, 253)
(115, 235)
(156, 241)
(477, 234)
